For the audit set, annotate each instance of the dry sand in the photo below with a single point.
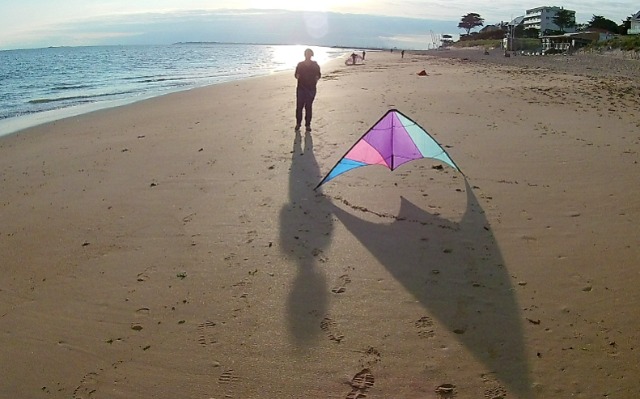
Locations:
(175, 247)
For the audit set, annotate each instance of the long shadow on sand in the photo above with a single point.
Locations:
(456, 271)
(305, 232)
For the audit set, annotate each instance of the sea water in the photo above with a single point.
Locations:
(42, 85)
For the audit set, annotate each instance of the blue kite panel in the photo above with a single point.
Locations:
(344, 165)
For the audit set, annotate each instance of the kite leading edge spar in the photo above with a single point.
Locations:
(392, 141)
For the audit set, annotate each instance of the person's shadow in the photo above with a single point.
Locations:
(456, 271)
(305, 233)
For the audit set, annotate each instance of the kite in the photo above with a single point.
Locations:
(392, 141)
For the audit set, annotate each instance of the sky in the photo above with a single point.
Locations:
(365, 23)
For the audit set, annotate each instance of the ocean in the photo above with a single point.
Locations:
(43, 85)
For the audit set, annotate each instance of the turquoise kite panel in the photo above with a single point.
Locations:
(427, 146)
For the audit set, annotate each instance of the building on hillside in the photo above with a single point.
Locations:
(635, 24)
(516, 21)
(572, 41)
(491, 28)
(541, 18)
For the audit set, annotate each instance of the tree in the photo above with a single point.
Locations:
(600, 22)
(447, 40)
(532, 33)
(518, 31)
(470, 21)
(582, 27)
(625, 26)
(564, 19)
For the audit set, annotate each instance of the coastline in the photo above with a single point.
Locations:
(15, 125)
(175, 246)
(177, 69)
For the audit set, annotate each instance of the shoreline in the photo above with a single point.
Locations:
(176, 247)
(16, 124)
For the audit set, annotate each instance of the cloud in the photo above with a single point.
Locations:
(250, 26)
(387, 24)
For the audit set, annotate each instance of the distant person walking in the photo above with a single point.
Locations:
(402, 54)
(363, 54)
(308, 74)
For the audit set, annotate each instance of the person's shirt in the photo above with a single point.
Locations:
(308, 74)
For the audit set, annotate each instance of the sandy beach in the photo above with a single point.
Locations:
(175, 248)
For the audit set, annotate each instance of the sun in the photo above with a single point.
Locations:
(286, 56)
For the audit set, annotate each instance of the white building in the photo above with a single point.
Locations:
(635, 24)
(569, 41)
(541, 18)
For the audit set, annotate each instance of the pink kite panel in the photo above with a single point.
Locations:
(365, 153)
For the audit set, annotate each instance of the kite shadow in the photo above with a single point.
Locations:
(456, 271)
(305, 232)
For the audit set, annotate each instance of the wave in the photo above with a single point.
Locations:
(70, 87)
(75, 98)
(111, 74)
(153, 79)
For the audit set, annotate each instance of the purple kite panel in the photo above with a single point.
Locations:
(380, 137)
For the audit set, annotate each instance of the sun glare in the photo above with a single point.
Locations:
(287, 57)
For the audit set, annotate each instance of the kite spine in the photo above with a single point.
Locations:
(354, 144)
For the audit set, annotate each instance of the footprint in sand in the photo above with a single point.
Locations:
(371, 356)
(341, 285)
(446, 391)
(425, 327)
(145, 274)
(360, 384)
(87, 387)
(205, 333)
(188, 218)
(497, 392)
(493, 390)
(227, 377)
(329, 326)
(251, 236)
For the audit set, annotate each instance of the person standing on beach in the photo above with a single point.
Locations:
(308, 74)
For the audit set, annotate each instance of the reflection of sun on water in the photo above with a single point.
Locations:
(287, 57)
